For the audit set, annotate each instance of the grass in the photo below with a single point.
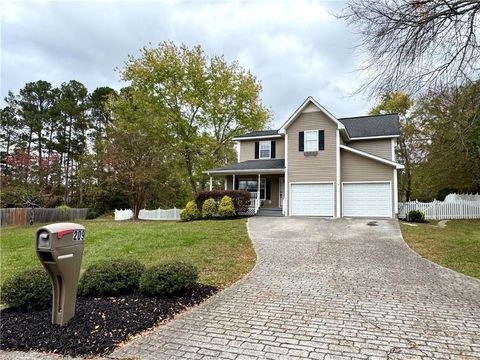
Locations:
(221, 250)
(457, 246)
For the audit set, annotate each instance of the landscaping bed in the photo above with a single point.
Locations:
(99, 325)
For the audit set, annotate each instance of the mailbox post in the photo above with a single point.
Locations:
(60, 249)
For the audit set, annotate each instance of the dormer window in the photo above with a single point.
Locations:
(265, 150)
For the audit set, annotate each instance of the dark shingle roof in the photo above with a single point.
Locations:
(253, 165)
(372, 125)
(258, 133)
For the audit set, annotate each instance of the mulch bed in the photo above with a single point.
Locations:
(99, 324)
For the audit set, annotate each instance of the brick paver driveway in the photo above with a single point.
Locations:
(328, 289)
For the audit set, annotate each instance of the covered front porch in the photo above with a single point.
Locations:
(265, 185)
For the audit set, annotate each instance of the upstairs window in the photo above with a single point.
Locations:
(311, 140)
(265, 149)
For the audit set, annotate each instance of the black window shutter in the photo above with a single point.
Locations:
(257, 149)
(300, 141)
(321, 140)
(268, 185)
(272, 149)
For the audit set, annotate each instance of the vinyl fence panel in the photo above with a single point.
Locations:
(158, 214)
(443, 210)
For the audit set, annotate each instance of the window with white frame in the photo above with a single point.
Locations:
(310, 142)
(265, 149)
(251, 185)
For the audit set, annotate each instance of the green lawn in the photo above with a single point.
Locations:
(222, 250)
(457, 246)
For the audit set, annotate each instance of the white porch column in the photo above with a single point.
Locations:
(258, 191)
(226, 183)
(233, 182)
(211, 183)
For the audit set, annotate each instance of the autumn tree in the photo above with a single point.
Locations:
(203, 102)
(408, 150)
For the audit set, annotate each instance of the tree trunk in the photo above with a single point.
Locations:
(67, 177)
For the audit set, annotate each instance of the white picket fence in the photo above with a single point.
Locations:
(442, 210)
(158, 214)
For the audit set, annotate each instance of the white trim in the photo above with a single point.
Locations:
(258, 137)
(374, 137)
(395, 191)
(337, 180)
(233, 181)
(300, 109)
(66, 256)
(247, 171)
(286, 193)
(394, 143)
(211, 183)
(373, 157)
(226, 183)
(260, 150)
(369, 182)
(238, 151)
(315, 182)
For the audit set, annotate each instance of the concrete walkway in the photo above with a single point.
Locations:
(328, 289)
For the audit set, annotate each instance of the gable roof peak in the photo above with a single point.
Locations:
(309, 100)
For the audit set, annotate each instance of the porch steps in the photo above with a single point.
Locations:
(274, 212)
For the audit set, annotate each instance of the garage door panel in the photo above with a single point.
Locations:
(367, 199)
(312, 199)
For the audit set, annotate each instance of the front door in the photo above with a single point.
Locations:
(281, 191)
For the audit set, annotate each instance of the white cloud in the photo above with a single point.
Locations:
(295, 48)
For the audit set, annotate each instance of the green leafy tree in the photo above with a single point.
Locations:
(203, 102)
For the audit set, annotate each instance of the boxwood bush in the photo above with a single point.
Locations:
(416, 216)
(190, 212)
(209, 209)
(226, 209)
(169, 278)
(111, 277)
(241, 198)
(28, 290)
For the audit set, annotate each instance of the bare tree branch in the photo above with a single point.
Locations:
(416, 45)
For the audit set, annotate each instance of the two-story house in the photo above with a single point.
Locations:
(319, 165)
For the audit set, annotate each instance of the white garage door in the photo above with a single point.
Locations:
(312, 199)
(367, 199)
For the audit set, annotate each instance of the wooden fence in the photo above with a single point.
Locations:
(442, 210)
(26, 216)
(158, 214)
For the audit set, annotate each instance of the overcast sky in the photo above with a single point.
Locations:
(295, 49)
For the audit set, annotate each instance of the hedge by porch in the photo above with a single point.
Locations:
(241, 198)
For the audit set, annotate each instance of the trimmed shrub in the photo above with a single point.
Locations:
(241, 198)
(111, 277)
(209, 209)
(190, 212)
(226, 209)
(416, 216)
(28, 290)
(169, 278)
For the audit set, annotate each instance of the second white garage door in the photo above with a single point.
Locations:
(312, 199)
(367, 199)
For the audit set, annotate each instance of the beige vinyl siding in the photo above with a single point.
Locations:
(380, 147)
(312, 168)
(321, 167)
(247, 149)
(359, 168)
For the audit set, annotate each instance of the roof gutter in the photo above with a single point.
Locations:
(245, 171)
(257, 137)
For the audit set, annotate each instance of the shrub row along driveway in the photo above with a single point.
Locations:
(328, 289)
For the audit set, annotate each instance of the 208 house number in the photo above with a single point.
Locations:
(78, 235)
